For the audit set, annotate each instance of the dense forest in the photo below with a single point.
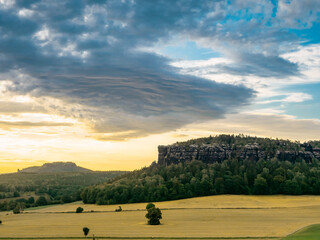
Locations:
(35, 189)
(196, 178)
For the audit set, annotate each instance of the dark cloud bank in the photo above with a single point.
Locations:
(85, 53)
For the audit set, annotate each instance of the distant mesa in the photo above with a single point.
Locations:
(55, 167)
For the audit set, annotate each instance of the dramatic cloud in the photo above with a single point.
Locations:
(86, 57)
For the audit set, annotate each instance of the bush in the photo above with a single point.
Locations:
(119, 209)
(150, 205)
(79, 210)
(16, 210)
(0, 222)
(154, 215)
(41, 201)
(85, 231)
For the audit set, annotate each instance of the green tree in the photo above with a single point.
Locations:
(85, 231)
(79, 210)
(20, 206)
(260, 185)
(150, 205)
(154, 215)
(16, 210)
(31, 200)
(42, 201)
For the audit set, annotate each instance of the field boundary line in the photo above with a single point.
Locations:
(168, 209)
(109, 237)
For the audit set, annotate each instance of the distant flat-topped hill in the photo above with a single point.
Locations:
(55, 167)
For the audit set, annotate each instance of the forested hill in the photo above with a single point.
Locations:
(233, 175)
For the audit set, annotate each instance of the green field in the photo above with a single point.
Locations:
(214, 217)
(308, 233)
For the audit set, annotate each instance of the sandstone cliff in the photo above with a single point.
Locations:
(210, 153)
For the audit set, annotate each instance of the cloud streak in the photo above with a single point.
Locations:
(7, 125)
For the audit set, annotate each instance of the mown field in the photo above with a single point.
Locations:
(224, 216)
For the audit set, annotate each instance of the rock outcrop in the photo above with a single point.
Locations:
(173, 154)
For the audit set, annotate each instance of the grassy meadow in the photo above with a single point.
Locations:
(310, 233)
(224, 216)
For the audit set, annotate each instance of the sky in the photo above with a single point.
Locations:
(103, 83)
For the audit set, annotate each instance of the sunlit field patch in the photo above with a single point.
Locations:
(224, 216)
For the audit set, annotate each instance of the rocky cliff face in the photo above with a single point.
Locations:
(173, 154)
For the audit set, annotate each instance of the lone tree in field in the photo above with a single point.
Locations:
(154, 215)
(85, 231)
(79, 210)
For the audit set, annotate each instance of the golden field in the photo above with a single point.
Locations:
(224, 216)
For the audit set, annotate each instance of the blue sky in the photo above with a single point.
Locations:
(189, 51)
(116, 72)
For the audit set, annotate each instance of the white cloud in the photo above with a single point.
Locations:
(290, 98)
(7, 4)
(25, 13)
(306, 57)
(43, 34)
(297, 13)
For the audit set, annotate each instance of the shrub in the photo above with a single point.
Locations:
(85, 231)
(79, 210)
(119, 209)
(0, 222)
(16, 210)
(150, 205)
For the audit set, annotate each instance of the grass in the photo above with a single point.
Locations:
(215, 217)
(308, 233)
